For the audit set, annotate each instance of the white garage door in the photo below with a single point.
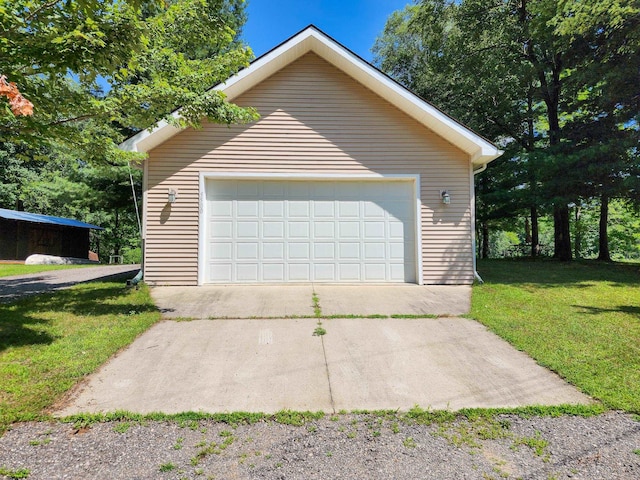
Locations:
(261, 231)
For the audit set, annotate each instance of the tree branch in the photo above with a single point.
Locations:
(44, 6)
(74, 119)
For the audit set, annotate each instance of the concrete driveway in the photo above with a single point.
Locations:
(296, 300)
(270, 365)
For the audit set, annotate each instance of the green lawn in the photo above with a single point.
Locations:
(49, 342)
(581, 320)
(9, 269)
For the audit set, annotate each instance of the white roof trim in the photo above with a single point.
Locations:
(480, 150)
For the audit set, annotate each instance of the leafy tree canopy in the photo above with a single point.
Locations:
(96, 70)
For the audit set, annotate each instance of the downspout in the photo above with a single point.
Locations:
(476, 275)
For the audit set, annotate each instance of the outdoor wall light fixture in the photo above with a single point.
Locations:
(173, 194)
(446, 198)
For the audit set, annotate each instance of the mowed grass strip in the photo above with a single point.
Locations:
(49, 342)
(10, 269)
(580, 319)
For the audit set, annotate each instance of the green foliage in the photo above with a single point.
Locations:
(96, 71)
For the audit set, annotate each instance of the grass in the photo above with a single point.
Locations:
(21, 473)
(50, 342)
(580, 319)
(9, 269)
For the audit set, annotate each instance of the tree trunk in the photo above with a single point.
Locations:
(116, 243)
(485, 239)
(603, 240)
(535, 240)
(562, 238)
(578, 233)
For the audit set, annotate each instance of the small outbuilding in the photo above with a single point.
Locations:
(23, 234)
(347, 177)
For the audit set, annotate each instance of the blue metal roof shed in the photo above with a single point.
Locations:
(38, 218)
(23, 234)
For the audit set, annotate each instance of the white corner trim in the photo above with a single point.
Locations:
(418, 234)
(202, 228)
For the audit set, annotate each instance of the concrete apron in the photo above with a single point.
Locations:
(270, 365)
(296, 300)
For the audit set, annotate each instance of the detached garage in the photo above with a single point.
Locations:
(346, 177)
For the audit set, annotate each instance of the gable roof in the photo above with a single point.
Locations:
(311, 39)
(48, 219)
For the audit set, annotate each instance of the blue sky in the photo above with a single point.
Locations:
(353, 23)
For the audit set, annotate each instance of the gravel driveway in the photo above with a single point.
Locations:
(342, 447)
(17, 286)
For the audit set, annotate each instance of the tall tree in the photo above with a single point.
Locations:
(605, 106)
(538, 74)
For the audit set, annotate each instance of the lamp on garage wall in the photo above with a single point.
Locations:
(173, 195)
(446, 198)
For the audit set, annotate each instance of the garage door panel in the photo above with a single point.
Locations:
(299, 272)
(273, 189)
(247, 190)
(324, 208)
(374, 229)
(220, 272)
(247, 229)
(273, 272)
(273, 251)
(298, 251)
(247, 251)
(298, 209)
(247, 272)
(273, 208)
(348, 251)
(349, 230)
(247, 208)
(272, 229)
(220, 230)
(348, 209)
(399, 271)
(302, 231)
(223, 208)
(324, 229)
(375, 272)
(373, 210)
(375, 251)
(299, 230)
(324, 251)
(324, 272)
(222, 251)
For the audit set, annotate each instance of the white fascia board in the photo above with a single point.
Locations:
(147, 139)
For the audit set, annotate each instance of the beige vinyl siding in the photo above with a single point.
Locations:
(314, 119)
